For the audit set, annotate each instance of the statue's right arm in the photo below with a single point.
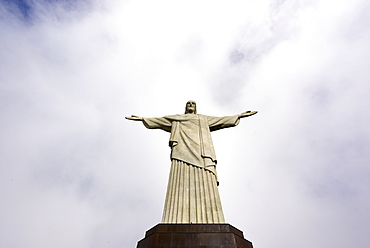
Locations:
(153, 123)
(134, 118)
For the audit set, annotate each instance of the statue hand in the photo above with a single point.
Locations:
(134, 118)
(247, 113)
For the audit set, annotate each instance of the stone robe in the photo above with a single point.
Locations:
(192, 194)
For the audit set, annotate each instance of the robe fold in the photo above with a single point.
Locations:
(192, 193)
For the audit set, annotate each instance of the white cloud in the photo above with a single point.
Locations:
(75, 173)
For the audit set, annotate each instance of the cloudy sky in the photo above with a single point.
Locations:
(74, 173)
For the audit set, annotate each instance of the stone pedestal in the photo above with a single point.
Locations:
(194, 236)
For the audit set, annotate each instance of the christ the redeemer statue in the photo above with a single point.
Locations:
(192, 194)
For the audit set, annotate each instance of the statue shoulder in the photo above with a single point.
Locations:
(181, 117)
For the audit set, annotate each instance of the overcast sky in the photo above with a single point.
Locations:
(74, 173)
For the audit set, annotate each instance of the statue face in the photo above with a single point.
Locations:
(191, 107)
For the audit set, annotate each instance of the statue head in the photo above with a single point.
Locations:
(191, 107)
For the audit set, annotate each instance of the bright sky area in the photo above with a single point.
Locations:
(74, 173)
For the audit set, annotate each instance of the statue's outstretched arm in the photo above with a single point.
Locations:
(247, 113)
(134, 118)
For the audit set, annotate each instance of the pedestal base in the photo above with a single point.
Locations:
(194, 236)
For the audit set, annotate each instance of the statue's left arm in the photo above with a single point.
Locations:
(247, 114)
(216, 123)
